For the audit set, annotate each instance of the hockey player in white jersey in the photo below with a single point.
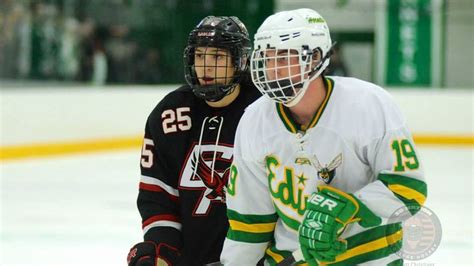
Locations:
(320, 163)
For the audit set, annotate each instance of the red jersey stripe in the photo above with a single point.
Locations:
(162, 217)
(155, 188)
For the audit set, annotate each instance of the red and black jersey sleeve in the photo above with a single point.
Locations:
(158, 198)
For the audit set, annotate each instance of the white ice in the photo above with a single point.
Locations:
(81, 210)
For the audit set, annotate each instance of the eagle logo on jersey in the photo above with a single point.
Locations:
(210, 177)
(207, 169)
(327, 172)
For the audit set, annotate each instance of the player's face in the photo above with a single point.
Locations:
(282, 64)
(213, 66)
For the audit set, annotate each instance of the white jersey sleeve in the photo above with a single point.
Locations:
(251, 214)
(393, 158)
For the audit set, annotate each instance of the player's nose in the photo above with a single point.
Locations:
(273, 72)
(210, 69)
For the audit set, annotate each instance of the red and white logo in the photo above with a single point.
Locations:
(207, 168)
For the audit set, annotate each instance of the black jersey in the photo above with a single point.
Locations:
(186, 156)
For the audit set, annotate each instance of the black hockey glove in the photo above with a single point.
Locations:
(149, 253)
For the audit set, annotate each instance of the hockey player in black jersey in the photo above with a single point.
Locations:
(187, 149)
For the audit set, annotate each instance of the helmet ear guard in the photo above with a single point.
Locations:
(324, 61)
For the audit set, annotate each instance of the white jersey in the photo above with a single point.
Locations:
(357, 142)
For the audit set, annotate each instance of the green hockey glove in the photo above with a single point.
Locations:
(328, 211)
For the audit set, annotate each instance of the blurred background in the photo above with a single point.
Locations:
(110, 41)
(78, 79)
(399, 42)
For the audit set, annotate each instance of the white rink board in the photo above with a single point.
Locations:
(36, 115)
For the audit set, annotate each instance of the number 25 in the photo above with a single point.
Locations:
(176, 119)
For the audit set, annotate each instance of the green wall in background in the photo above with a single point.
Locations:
(166, 26)
(409, 43)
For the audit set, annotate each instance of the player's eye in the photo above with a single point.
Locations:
(282, 58)
(219, 56)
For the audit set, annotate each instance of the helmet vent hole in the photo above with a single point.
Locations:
(296, 34)
(285, 37)
(290, 19)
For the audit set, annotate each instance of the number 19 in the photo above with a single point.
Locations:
(406, 156)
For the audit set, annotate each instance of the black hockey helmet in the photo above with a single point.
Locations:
(228, 33)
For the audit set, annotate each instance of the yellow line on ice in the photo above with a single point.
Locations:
(38, 150)
(444, 140)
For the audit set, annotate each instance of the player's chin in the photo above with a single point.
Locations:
(211, 83)
(206, 83)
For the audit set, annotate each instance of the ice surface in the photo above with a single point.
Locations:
(81, 210)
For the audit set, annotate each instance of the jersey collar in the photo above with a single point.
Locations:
(287, 119)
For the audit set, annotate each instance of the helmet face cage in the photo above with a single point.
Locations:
(216, 57)
(281, 74)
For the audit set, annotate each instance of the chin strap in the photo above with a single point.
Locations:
(213, 93)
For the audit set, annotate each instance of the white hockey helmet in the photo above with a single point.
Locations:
(300, 33)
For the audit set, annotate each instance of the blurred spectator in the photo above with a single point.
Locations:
(86, 50)
(46, 40)
(148, 68)
(121, 55)
(93, 59)
(69, 49)
(14, 40)
(99, 64)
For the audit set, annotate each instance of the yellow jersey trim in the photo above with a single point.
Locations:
(408, 193)
(252, 228)
(368, 247)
